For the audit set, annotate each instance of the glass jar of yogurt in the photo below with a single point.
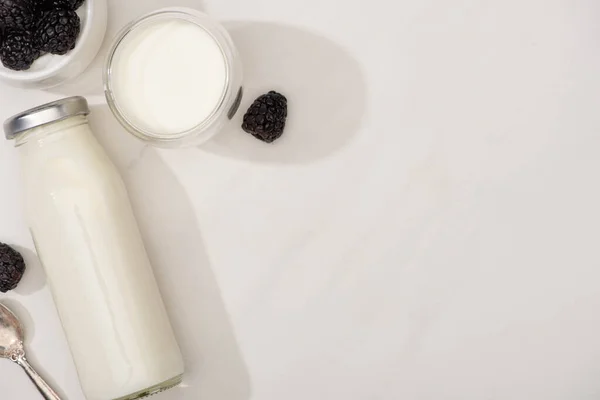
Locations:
(173, 77)
(90, 246)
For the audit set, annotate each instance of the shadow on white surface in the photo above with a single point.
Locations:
(120, 13)
(215, 368)
(324, 85)
(34, 278)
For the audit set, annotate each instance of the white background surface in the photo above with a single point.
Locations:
(427, 229)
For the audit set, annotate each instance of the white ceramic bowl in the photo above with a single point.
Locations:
(51, 70)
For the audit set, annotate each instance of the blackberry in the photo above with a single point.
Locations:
(17, 51)
(49, 5)
(57, 32)
(265, 119)
(12, 268)
(17, 14)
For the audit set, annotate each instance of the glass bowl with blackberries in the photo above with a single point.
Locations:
(44, 43)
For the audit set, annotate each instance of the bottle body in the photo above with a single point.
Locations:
(96, 264)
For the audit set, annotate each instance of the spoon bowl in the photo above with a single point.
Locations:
(11, 347)
(11, 334)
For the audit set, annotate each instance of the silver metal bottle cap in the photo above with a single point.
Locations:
(45, 114)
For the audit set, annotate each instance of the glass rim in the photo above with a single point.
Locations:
(221, 38)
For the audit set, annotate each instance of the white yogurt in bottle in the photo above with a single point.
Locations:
(97, 268)
(173, 77)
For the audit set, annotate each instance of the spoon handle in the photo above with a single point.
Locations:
(41, 385)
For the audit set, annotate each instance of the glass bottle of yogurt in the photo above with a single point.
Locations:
(90, 246)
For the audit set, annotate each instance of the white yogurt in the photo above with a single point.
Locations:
(96, 265)
(168, 76)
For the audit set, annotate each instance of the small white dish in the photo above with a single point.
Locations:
(51, 70)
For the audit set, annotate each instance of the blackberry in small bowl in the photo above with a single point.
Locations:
(17, 14)
(72, 5)
(58, 31)
(68, 35)
(18, 51)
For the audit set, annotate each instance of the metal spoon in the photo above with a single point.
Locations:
(11, 347)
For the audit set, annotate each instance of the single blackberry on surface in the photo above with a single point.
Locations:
(265, 119)
(17, 51)
(12, 268)
(17, 14)
(57, 32)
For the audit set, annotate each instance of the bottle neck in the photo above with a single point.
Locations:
(40, 135)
